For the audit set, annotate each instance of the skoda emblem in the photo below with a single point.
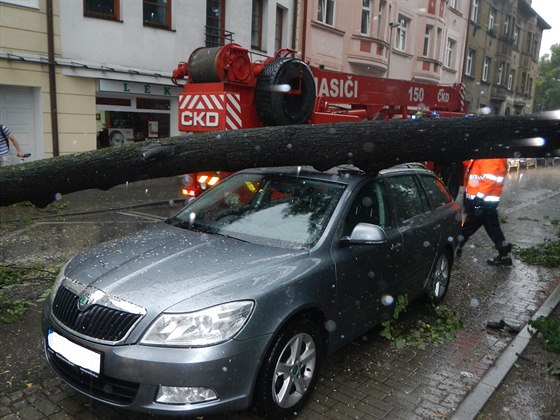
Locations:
(84, 301)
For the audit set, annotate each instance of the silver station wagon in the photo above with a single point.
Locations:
(234, 300)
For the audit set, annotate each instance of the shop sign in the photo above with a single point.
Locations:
(134, 88)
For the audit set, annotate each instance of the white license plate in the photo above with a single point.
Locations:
(74, 353)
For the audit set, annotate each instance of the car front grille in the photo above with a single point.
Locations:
(96, 321)
(104, 387)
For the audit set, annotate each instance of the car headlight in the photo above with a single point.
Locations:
(206, 327)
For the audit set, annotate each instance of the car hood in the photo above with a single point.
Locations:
(163, 265)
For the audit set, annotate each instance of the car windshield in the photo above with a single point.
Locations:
(266, 209)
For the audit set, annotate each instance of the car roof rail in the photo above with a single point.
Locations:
(411, 165)
(345, 169)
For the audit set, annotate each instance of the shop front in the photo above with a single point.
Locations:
(129, 112)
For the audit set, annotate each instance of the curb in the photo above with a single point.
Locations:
(479, 396)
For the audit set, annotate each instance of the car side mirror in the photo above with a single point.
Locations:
(366, 234)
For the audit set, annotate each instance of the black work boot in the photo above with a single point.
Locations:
(503, 257)
(499, 260)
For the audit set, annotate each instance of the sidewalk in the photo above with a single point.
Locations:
(366, 380)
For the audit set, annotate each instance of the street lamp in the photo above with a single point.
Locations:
(392, 25)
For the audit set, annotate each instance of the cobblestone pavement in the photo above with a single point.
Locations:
(368, 379)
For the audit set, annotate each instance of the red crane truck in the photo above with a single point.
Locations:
(226, 90)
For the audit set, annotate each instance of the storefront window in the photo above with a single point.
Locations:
(147, 103)
(120, 128)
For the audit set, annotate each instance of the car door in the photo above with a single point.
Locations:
(366, 272)
(444, 209)
(419, 229)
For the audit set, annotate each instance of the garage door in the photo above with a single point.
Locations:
(17, 111)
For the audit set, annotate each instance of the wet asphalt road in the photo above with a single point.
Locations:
(368, 379)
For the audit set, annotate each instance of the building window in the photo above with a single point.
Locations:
(427, 36)
(257, 24)
(523, 81)
(157, 13)
(515, 37)
(486, 68)
(449, 53)
(474, 11)
(529, 43)
(491, 19)
(279, 33)
(366, 13)
(400, 42)
(325, 12)
(380, 18)
(470, 62)
(506, 27)
(500, 76)
(529, 87)
(215, 22)
(510, 79)
(453, 4)
(104, 9)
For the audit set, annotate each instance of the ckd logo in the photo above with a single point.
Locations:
(201, 110)
(200, 119)
(442, 96)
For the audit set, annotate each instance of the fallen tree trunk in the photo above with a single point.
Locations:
(370, 145)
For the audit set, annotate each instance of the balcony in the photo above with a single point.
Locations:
(498, 93)
(369, 52)
(427, 70)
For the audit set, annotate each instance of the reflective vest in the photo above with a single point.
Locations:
(484, 178)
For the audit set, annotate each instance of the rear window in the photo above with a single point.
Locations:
(410, 200)
(437, 192)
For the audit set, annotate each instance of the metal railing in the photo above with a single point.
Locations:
(215, 36)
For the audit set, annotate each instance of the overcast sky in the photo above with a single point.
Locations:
(549, 10)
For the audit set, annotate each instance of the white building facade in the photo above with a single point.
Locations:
(113, 61)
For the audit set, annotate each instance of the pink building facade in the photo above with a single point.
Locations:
(420, 40)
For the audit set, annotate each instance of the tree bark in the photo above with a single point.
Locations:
(370, 145)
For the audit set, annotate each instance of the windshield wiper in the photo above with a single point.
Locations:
(231, 237)
(178, 222)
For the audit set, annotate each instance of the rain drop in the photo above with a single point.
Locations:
(387, 300)
(330, 326)
(475, 303)
(58, 196)
(426, 244)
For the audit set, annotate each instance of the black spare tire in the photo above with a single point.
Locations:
(275, 106)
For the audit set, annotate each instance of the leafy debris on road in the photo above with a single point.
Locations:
(21, 287)
(548, 332)
(546, 254)
(440, 326)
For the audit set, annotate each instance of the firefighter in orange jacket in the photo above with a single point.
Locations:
(484, 180)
